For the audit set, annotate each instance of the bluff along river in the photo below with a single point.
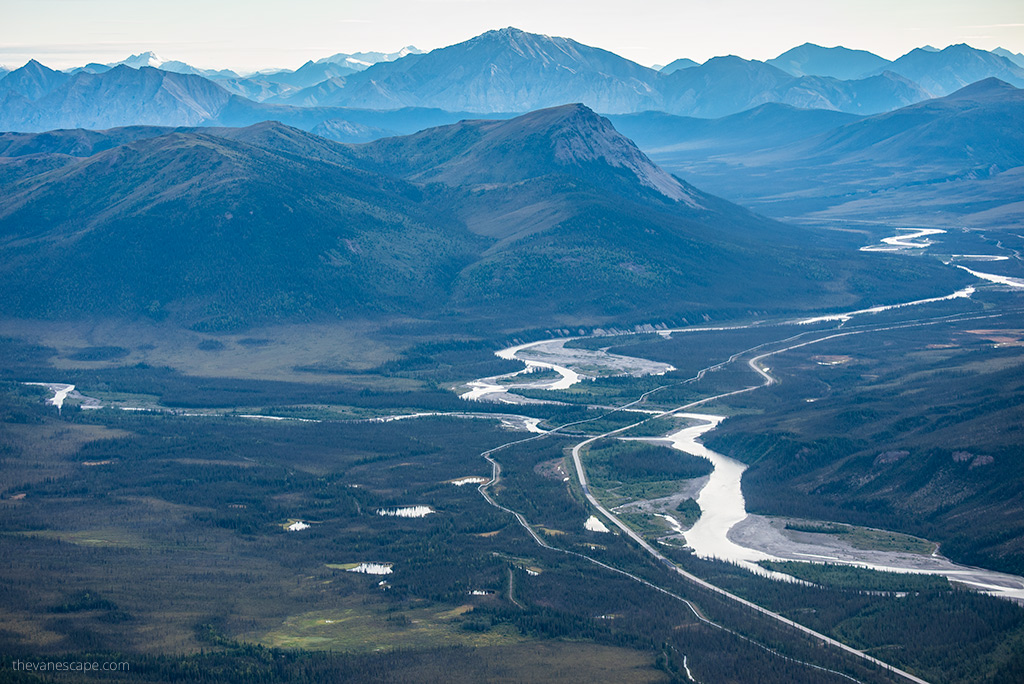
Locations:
(725, 530)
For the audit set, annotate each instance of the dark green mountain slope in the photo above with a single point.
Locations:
(215, 230)
(925, 440)
(586, 224)
(76, 142)
(552, 215)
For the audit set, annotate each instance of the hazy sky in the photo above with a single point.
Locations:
(252, 34)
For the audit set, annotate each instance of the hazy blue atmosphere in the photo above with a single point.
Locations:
(268, 33)
(716, 307)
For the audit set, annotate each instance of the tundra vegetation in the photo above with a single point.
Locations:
(159, 537)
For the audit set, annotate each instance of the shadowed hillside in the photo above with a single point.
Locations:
(549, 215)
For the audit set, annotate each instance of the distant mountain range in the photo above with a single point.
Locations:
(152, 96)
(511, 70)
(499, 71)
(309, 74)
(503, 71)
(787, 144)
(362, 60)
(35, 98)
(264, 85)
(957, 158)
(549, 216)
(941, 73)
(31, 82)
(352, 62)
(150, 59)
(728, 85)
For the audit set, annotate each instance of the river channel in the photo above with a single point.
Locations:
(725, 530)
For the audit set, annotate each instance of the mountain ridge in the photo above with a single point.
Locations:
(502, 71)
(838, 62)
(146, 96)
(961, 156)
(172, 226)
(495, 57)
(579, 137)
(946, 71)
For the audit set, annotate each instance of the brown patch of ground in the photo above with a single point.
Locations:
(1002, 338)
(552, 470)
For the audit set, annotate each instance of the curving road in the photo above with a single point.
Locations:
(644, 544)
(756, 364)
(524, 523)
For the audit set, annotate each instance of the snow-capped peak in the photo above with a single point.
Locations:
(144, 59)
(362, 60)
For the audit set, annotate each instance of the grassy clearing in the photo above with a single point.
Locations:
(105, 537)
(883, 540)
(353, 347)
(646, 524)
(119, 399)
(367, 626)
(625, 471)
(866, 537)
(862, 579)
(618, 495)
(572, 662)
(52, 447)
